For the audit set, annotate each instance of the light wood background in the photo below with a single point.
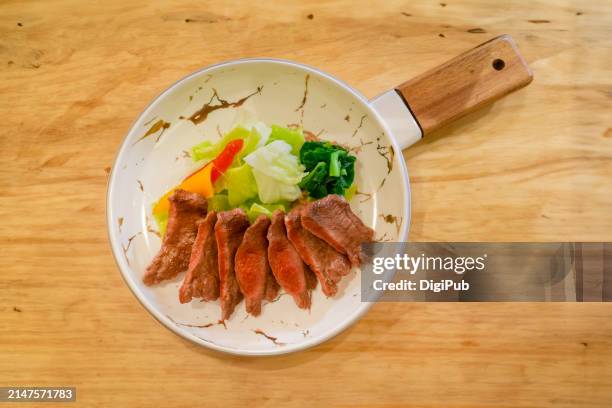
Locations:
(536, 166)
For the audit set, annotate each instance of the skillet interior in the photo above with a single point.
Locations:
(153, 158)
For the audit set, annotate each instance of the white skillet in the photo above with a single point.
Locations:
(153, 158)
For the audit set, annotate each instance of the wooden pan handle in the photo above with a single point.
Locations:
(465, 83)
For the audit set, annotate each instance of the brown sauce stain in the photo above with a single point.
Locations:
(120, 222)
(389, 218)
(310, 16)
(107, 170)
(201, 114)
(392, 219)
(152, 230)
(304, 99)
(539, 21)
(140, 186)
(441, 35)
(406, 14)
(310, 137)
(368, 196)
(156, 127)
(387, 152)
(384, 238)
(16, 309)
(126, 248)
(147, 123)
(362, 144)
(347, 118)
(360, 125)
(476, 31)
(271, 338)
(198, 326)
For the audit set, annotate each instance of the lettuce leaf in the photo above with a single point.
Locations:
(240, 184)
(257, 209)
(254, 134)
(208, 150)
(218, 202)
(295, 138)
(259, 135)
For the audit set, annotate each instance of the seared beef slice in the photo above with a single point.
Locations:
(229, 229)
(332, 220)
(287, 266)
(328, 264)
(173, 257)
(202, 278)
(252, 269)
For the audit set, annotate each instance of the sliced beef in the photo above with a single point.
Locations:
(186, 209)
(286, 264)
(272, 286)
(328, 264)
(202, 278)
(252, 269)
(332, 220)
(229, 230)
(311, 278)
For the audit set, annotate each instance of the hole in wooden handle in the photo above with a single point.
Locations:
(498, 64)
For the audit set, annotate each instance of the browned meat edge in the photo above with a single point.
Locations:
(186, 209)
(202, 278)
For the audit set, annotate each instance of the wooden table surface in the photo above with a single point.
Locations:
(535, 166)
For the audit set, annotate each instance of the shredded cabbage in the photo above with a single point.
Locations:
(277, 172)
(295, 138)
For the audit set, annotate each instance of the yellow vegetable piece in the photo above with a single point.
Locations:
(163, 205)
(199, 182)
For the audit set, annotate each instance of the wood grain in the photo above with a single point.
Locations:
(465, 83)
(534, 166)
